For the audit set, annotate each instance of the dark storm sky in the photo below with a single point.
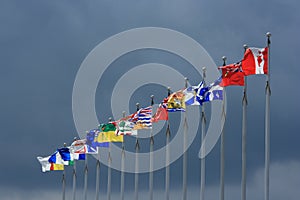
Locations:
(43, 43)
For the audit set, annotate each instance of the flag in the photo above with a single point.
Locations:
(66, 155)
(176, 102)
(108, 133)
(212, 92)
(161, 112)
(57, 158)
(75, 149)
(232, 75)
(255, 61)
(47, 166)
(191, 94)
(80, 147)
(125, 127)
(92, 139)
(142, 118)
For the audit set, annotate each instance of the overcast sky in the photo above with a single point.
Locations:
(43, 43)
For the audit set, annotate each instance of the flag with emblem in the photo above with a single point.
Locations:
(161, 112)
(125, 127)
(191, 94)
(93, 140)
(255, 61)
(176, 102)
(108, 133)
(142, 118)
(212, 92)
(232, 74)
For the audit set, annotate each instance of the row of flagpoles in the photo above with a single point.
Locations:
(255, 61)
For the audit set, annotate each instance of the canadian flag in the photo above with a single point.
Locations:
(255, 61)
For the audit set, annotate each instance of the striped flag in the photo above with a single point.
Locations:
(142, 118)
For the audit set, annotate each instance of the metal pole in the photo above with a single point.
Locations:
(109, 171)
(123, 167)
(136, 177)
(184, 179)
(85, 177)
(168, 157)
(64, 181)
(222, 160)
(98, 175)
(151, 159)
(267, 124)
(168, 162)
(203, 124)
(64, 185)
(244, 134)
(74, 177)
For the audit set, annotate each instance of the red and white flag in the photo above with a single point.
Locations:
(255, 61)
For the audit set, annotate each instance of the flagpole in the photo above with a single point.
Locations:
(109, 171)
(203, 125)
(136, 177)
(98, 175)
(244, 138)
(74, 177)
(64, 181)
(64, 185)
(184, 179)
(267, 124)
(123, 167)
(168, 156)
(222, 148)
(85, 176)
(151, 158)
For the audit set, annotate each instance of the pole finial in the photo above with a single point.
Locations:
(224, 60)
(268, 34)
(152, 99)
(185, 82)
(137, 106)
(204, 71)
(109, 119)
(65, 144)
(245, 46)
(123, 113)
(75, 138)
(169, 91)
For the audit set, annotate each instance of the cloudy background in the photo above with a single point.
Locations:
(43, 43)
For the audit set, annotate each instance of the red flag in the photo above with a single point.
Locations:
(161, 112)
(232, 75)
(255, 61)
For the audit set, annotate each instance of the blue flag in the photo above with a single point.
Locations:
(212, 92)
